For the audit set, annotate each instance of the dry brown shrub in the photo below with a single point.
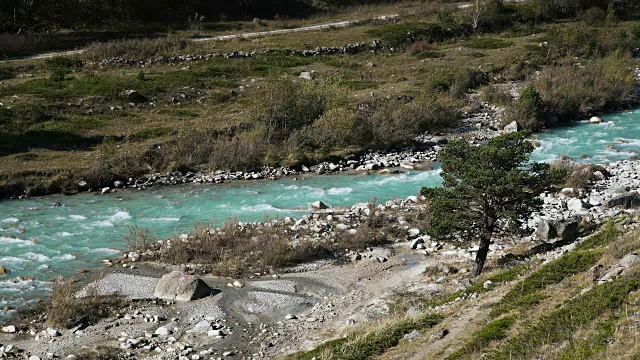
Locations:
(66, 309)
(138, 49)
(420, 47)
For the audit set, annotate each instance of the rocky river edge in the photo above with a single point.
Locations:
(173, 314)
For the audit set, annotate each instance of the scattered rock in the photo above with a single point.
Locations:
(413, 335)
(307, 75)
(9, 329)
(319, 205)
(162, 331)
(626, 201)
(134, 96)
(179, 286)
(511, 127)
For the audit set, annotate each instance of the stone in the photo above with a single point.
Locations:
(290, 317)
(545, 230)
(215, 333)
(118, 184)
(595, 120)
(238, 284)
(577, 205)
(487, 284)
(307, 75)
(626, 201)
(439, 335)
(412, 335)
(464, 284)
(9, 329)
(416, 242)
(319, 205)
(568, 229)
(202, 327)
(53, 332)
(511, 127)
(4, 270)
(34, 357)
(179, 286)
(162, 331)
(266, 344)
(134, 96)
(414, 232)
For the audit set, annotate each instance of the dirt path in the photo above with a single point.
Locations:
(248, 35)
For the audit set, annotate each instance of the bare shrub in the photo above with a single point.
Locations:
(138, 49)
(234, 250)
(602, 84)
(138, 239)
(20, 44)
(496, 95)
(420, 47)
(67, 310)
(578, 175)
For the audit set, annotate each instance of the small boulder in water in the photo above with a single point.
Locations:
(595, 120)
(319, 205)
(4, 270)
(511, 127)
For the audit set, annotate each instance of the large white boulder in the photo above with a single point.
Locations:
(179, 286)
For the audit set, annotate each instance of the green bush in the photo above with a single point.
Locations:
(404, 34)
(527, 111)
(526, 292)
(494, 330)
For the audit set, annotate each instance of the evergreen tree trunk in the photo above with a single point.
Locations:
(481, 256)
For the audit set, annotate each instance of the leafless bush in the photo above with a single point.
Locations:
(19, 44)
(138, 239)
(68, 310)
(138, 49)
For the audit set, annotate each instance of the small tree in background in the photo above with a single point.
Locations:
(487, 190)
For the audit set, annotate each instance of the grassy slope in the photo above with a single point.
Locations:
(567, 323)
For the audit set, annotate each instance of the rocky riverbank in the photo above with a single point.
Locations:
(475, 127)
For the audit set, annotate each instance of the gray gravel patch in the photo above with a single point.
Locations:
(258, 302)
(129, 286)
(275, 285)
(205, 309)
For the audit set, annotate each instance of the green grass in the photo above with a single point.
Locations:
(495, 330)
(528, 291)
(608, 233)
(561, 324)
(372, 344)
(500, 276)
(487, 43)
(594, 345)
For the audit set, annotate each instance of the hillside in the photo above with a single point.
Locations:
(127, 108)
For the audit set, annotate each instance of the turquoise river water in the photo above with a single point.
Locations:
(39, 241)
